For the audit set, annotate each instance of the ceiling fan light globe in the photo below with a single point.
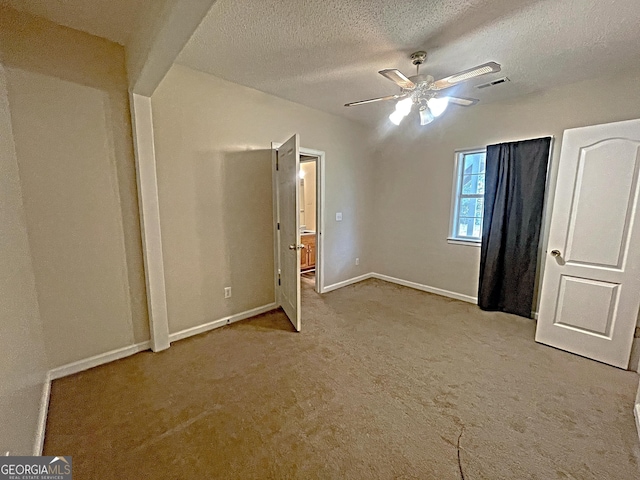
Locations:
(396, 117)
(438, 105)
(403, 107)
(426, 116)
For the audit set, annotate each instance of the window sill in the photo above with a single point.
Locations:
(468, 243)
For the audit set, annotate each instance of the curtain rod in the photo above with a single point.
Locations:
(552, 137)
(524, 140)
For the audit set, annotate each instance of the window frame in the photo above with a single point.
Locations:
(456, 196)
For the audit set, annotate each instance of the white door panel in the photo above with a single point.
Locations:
(288, 194)
(599, 212)
(587, 305)
(591, 290)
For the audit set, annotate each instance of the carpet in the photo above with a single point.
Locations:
(383, 382)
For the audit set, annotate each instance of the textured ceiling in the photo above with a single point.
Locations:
(324, 53)
(111, 19)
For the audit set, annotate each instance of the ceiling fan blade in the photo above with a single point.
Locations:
(451, 80)
(371, 100)
(463, 101)
(397, 77)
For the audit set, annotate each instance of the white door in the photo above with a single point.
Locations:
(288, 207)
(591, 284)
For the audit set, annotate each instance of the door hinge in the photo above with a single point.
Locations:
(278, 225)
(277, 161)
(279, 281)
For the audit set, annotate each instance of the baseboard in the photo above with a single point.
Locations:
(349, 281)
(96, 360)
(405, 283)
(42, 416)
(189, 332)
(426, 288)
(636, 413)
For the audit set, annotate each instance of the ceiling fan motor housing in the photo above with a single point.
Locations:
(421, 80)
(422, 91)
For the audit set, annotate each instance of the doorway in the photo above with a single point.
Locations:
(308, 204)
(297, 213)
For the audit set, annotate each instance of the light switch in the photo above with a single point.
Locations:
(338, 216)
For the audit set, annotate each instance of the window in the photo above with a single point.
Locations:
(468, 197)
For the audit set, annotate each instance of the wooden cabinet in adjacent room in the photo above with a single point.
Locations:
(308, 253)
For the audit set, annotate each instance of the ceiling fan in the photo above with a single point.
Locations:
(423, 90)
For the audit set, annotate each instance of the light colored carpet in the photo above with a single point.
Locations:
(383, 382)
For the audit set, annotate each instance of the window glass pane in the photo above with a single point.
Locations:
(470, 189)
(471, 207)
(474, 163)
(470, 227)
(465, 227)
(477, 227)
(473, 184)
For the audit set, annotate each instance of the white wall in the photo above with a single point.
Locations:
(70, 117)
(414, 173)
(213, 155)
(23, 363)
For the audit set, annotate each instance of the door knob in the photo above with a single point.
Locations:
(296, 247)
(555, 253)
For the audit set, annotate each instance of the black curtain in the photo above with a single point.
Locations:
(514, 195)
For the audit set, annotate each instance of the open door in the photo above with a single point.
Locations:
(288, 237)
(591, 284)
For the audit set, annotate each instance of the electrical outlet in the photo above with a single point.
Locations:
(227, 292)
(357, 261)
(338, 216)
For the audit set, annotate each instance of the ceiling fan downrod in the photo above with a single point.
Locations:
(418, 58)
